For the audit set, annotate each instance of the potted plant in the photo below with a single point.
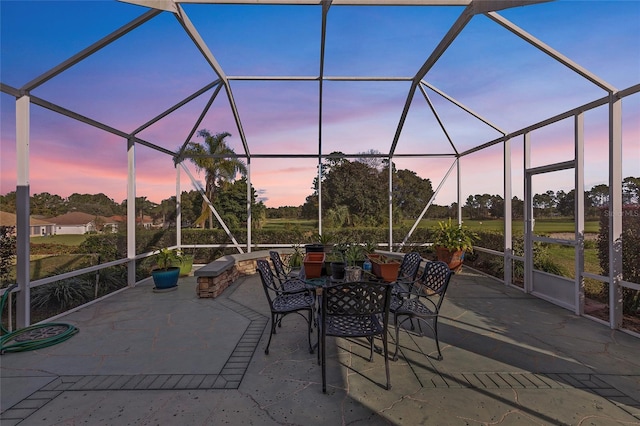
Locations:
(313, 264)
(353, 254)
(295, 259)
(385, 267)
(165, 275)
(185, 262)
(451, 242)
(334, 264)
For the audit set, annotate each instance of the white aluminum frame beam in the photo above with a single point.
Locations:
(23, 127)
(579, 213)
(551, 52)
(213, 209)
(615, 211)
(90, 50)
(131, 212)
(191, 30)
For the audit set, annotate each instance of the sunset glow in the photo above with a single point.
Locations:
(490, 70)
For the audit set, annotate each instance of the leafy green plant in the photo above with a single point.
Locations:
(454, 237)
(166, 258)
(295, 260)
(370, 247)
(63, 295)
(7, 252)
(354, 253)
(325, 239)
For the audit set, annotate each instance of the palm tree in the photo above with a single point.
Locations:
(219, 162)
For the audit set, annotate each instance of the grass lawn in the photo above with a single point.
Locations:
(542, 226)
(67, 240)
(565, 257)
(290, 224)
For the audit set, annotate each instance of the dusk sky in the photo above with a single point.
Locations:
(487, 68)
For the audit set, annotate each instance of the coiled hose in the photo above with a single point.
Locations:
(33, 337)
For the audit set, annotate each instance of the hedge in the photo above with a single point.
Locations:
(630, 245)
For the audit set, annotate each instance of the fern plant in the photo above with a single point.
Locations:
(454, 237)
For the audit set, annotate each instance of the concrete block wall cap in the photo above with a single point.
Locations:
(215, 268)
(261, 254)
(221, 264)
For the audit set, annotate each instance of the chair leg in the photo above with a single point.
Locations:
(385, 345)
(370, 339)
(272, 332)
(398, 325)
(435, 336)
(324, 362)
(309, 330)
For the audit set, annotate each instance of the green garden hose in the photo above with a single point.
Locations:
(33, 337)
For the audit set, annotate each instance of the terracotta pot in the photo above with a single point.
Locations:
(384, 267)
(452, 258)
(313, 263)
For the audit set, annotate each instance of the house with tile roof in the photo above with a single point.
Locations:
(75, 223)
(37, 227)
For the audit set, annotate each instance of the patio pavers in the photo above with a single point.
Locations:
(172, 358)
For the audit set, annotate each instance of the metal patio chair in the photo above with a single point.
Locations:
(407, 272)
(354, 309)
(422, 301)
(287, 281)
(282, 272)
(284, 302)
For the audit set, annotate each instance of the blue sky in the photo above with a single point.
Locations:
(490, 70)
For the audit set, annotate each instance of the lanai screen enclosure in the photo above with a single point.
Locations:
(431, 126)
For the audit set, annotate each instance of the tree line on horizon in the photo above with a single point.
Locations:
(231, 201)
(354, 193)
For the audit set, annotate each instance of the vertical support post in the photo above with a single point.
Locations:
(508, 216)
(319, 195)
(528, 217)
(178, 209)
(615, 211)
(249, 209)
(390, 205)
(23, 308)
(131, 212)
(579, 213)
(459, 191)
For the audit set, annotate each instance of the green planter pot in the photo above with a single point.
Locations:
(166, 278)
(185, 265)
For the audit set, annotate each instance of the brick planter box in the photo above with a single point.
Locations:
(215, 277)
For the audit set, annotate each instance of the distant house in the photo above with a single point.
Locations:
(113, 223)
(37, 227)
(75, 223)
(146, 222)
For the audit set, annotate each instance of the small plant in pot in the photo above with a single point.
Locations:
(166, 274)
(451, 242)
(335, 265)
(184, 261)
(353, 255)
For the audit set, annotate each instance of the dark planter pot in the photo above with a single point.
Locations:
(337, 270)
(314, 248)
(185, 265)
(166, 278)
(452, 258)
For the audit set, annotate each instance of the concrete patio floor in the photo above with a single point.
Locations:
(145, 358)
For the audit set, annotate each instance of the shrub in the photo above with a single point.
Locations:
(630, 245)
(61, 295)
(542, 260)
(7, 252)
